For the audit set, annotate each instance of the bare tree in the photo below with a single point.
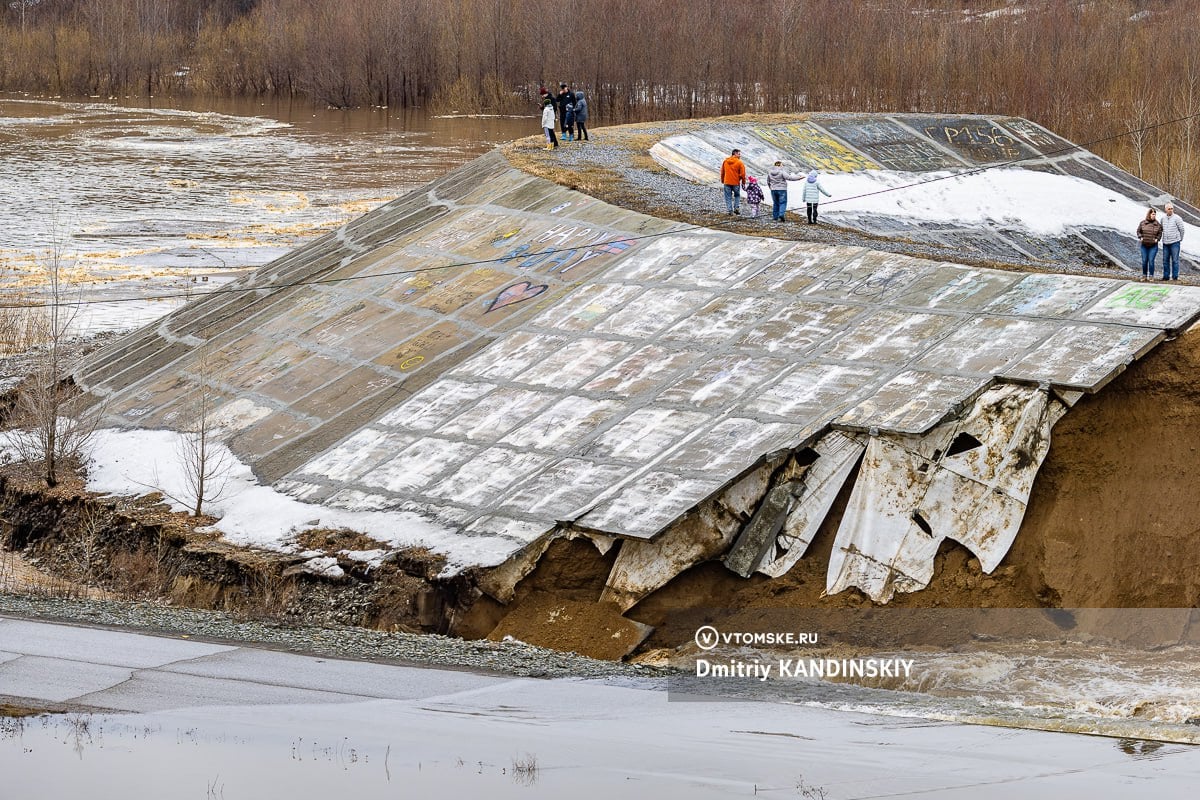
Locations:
(59, 429)
(204, 461)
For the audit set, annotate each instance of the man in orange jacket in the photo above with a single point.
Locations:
(733, 178)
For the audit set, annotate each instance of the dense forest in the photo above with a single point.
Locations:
(1085, 69)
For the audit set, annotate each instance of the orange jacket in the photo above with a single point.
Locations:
(733, 171)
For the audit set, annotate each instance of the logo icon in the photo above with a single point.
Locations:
(707, 637)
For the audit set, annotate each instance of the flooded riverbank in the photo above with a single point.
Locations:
(140, 199)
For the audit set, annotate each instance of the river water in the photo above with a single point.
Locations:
(143, 201)
(148, 198)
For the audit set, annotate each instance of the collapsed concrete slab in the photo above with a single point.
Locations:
(515, 361)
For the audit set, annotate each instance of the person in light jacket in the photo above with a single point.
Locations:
(1149, 231)
(1172, 238)
(777, 181)
(581, 115)
(812, 195)
(548, 123)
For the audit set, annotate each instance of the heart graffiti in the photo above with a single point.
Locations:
(517, 293)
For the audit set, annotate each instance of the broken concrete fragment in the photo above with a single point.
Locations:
(967, 480)
(837, 455)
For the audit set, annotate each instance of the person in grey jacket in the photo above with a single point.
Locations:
(777, 179)
(1172, 237)
(812, 195)
(581, 115)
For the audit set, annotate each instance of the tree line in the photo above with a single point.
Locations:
(1083, 69)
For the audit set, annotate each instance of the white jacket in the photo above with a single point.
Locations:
(548, 117)
(1172, 228)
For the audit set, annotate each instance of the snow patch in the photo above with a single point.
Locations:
(134, 462)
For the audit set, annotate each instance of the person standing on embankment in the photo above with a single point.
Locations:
(733, 178)
(1149, 231)
(812, 195)
(777, 181)
(1172, 238)
(581, 115)
(548, 123)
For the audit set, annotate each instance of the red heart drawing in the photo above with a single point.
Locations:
(517, 293)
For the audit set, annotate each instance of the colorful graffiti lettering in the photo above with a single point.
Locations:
(1138, 297)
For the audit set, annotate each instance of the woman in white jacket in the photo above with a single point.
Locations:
(548, 123)
(812, 195)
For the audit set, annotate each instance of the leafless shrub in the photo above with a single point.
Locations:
(57, 429)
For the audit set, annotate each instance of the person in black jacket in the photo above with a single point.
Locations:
(565, 98)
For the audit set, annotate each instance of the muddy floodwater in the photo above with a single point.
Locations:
(157, 197)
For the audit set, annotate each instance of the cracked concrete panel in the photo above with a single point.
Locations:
(837, 454)
(815, 391)
(646, 433)
(419, 464)
(573, 364)
(1050, 295)
(986, 345)
(979, 493)
(912, 402)
(436, 405)
(358, 455)
(732, 260)
(799, 327)
(648, 504)
(512, 354)
(956, 288)
(722, 381)
(968, 480)
(563, 425)
(1171, 307)
(565, 488)
(583, 307)
(643, 566)
(1084, 356)
(656, 310)
(483, 481)
(721, 320)
(878, 537)
(734, 444)
(643, 370)
(890, 337)
(495, 414)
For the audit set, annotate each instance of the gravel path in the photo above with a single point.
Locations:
(509, 658)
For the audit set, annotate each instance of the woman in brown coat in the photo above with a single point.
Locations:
(1148, 233)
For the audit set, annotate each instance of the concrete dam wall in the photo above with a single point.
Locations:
(515, 362)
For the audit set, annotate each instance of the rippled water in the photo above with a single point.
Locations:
(161, 195)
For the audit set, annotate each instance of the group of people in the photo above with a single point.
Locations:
(572, 112)
(734, 180)
(1168, 232)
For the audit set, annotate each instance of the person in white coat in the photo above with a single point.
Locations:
(548, 123)
(812, 195)
(1172, 238)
